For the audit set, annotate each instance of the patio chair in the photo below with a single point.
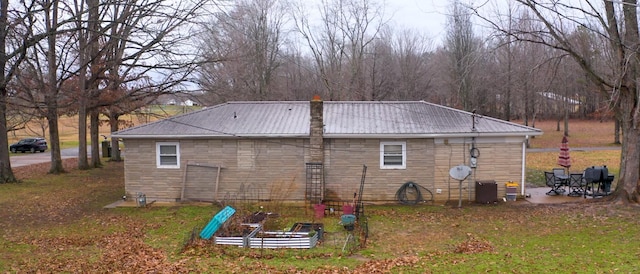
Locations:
(577, 184)
(553, 183)
(561, 177)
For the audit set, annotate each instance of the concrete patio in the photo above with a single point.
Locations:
(538, 196)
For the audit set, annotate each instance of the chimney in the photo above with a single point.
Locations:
(316, 131)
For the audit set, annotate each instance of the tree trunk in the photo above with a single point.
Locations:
(52, 119)
(83, 93)
(6, 174)
(54, 140)
(627, 189)
(616, 132)
(627, 110)
(52, 89)
(94, 133)
(115, 146)
(83, 162)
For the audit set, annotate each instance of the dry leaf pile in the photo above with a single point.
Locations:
(385, 266)
(42, 169)
(473, 245)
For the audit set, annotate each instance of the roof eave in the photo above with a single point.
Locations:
(435, 135)
(205, 136)
(335, 136)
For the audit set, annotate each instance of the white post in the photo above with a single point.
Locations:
(524, 164)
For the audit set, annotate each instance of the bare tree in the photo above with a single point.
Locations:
(351, 54)
(382, 69)
(82, 36)
(243, 51)
(297, 71)
(462, 47)
(17, 34)
(51, 89)
(340, 43)
(125, 43)
(404, 69)
(6, 174)
(35, 88)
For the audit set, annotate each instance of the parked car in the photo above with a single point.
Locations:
(29, 144)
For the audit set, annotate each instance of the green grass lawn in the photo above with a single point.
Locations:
(71, 232)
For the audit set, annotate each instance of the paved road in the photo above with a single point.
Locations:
(40, 157)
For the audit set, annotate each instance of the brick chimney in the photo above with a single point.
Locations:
(316, 130)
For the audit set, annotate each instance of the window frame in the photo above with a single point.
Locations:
(404, 155)
(159, 155)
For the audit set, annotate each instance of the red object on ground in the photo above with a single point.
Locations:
(319, 210)
(347, 209)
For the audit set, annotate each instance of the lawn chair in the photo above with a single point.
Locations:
(553, 183)
(577, 184)
(561, 177)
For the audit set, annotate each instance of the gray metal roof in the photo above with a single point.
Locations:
(342, 119)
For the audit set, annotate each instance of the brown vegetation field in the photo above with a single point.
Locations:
(583, 135)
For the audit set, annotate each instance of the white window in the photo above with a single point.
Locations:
(393, 155)
(168, 155)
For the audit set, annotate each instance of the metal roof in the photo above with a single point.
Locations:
(342, 119)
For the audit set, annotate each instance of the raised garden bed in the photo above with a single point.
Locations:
(274, 239)
(301, 236)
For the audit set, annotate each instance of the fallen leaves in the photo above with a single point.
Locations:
(474, 245)
(385, 266)
(121, 252)
(42, 169)
(47, 233)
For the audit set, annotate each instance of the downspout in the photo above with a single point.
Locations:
(524, 164)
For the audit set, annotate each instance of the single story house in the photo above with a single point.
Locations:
(316, 150)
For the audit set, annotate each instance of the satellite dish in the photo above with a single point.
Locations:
(460, 172)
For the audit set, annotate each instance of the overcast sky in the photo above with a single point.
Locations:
(426, 16)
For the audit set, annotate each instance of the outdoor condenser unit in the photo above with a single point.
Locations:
(486, 192)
